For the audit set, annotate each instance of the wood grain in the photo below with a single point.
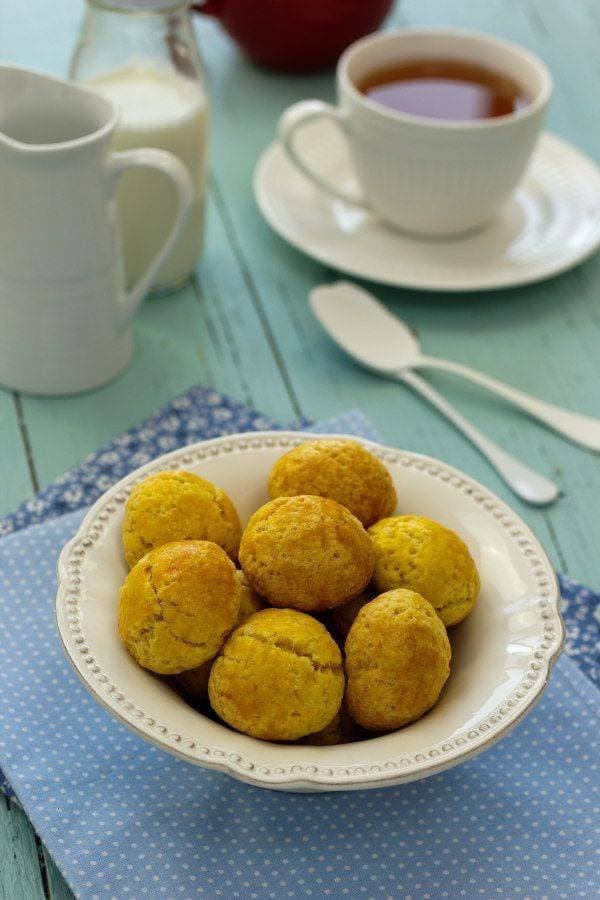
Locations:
(21, 876)
(243, 324)
(18, 477)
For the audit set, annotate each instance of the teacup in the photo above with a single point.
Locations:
(428, 176)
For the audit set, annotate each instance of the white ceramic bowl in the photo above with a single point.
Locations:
(501, 655)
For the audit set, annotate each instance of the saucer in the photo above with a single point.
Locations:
(550, 224)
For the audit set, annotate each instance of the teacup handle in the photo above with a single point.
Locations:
(296, 117)
(170, 165)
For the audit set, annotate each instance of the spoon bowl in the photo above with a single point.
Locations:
(364, 328)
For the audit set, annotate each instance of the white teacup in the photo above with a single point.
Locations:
(423, 175)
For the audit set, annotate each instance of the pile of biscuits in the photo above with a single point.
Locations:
(334, 626)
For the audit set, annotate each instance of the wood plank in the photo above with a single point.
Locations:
(540, 337)
(57, 887)
(17, 473)
(238, 347)
(20, 875)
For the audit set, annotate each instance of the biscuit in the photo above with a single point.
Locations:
(342, 617)
(178, 506)
(397, 660)
(177, 606)
(250, 602)
(339, 469)
(421, 555)
(306, 553)
(279, 676)
(194, 682)
(341, 730)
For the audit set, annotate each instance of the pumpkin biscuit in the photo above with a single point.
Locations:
(306, 552)
(397, 660)
(342, 617)
(250, 602)
(178, 506)
(341, 470)
(421, 555)
(341, 730)
(194, 682)
(279, 676)
(177, 606)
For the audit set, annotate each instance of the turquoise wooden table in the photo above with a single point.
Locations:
(243, 324)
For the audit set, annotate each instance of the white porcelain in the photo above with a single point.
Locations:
(502, 654)
(379, 340)
(550, 224)
(427, 176)
(64, 311)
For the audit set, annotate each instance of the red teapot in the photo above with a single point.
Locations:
(296, 35)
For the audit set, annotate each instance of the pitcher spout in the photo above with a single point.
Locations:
(40, 112)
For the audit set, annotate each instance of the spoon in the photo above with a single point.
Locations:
(352, 333)
(381, 341)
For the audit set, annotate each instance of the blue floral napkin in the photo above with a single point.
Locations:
(124, 819)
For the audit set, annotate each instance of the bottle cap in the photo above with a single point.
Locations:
(141, 6)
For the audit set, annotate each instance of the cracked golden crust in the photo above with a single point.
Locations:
(397, 660)
(177, 606)
(279, 676)
(178, 506)
(306, 552)
(194, 682)
(419, 554)
(341, 470)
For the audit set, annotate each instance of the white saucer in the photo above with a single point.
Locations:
(551, 224)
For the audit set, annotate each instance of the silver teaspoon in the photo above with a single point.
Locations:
(383, 342)
(362, 335)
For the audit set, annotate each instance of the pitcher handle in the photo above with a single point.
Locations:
(168, 163)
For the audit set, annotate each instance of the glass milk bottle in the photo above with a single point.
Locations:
(142, 55)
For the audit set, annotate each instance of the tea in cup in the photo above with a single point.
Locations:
(440, 125)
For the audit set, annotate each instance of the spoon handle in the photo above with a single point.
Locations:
(583, 430)
(527, 484)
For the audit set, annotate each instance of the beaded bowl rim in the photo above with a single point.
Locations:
(302, 777)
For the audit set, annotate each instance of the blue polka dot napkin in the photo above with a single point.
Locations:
(124, 819)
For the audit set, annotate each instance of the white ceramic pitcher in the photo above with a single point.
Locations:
(65, 317)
